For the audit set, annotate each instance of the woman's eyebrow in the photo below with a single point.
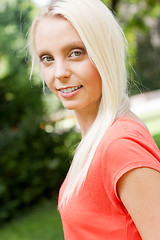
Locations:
(72, 45)
(41, 53)
(69, 46)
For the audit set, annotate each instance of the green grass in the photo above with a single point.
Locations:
(41, 223)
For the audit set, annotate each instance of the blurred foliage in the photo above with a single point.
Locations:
(141, 23)
(34, 162)
(157, 140)
(33, 165)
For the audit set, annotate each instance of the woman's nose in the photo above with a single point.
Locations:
(62, 70)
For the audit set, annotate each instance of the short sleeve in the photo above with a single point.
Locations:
(123, 155)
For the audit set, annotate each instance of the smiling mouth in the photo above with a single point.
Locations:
(69, 90)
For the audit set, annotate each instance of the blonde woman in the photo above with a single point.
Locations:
(112, 190)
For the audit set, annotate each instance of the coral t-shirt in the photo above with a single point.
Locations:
(96, 212)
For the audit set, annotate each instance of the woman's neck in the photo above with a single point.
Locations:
(85, 119)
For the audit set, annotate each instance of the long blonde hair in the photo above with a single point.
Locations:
(105, 44)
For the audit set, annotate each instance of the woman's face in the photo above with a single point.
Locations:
(65, 65)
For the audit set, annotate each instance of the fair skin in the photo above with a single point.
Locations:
(71, 76)
(65, 64)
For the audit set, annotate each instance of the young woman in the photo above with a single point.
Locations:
(112, 190)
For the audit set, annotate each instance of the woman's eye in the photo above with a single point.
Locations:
(46, 59)
(76, 54)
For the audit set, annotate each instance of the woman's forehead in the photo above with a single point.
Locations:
(55, 30)
(49, 24)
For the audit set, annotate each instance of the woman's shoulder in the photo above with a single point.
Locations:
(130, 119)
(128, 124)
(130, 127)
(128, 144)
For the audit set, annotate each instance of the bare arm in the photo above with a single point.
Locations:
(139, 190)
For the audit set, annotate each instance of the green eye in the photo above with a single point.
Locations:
(46, 59)
(76, 54)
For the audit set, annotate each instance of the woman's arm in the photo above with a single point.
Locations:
(139, 190)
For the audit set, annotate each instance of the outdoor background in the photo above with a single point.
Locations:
(37, 137)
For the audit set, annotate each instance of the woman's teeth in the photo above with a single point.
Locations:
(69, 90)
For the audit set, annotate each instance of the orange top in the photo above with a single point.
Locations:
(97, 213)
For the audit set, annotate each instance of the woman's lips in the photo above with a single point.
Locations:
(69, 91)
